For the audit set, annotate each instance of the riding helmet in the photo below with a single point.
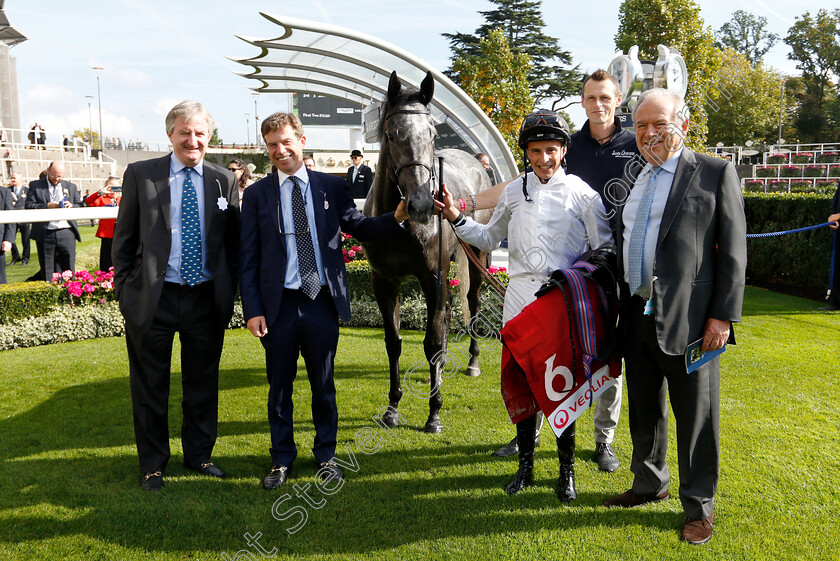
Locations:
(543, 124)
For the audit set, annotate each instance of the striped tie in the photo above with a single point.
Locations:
(636, 254)
(190, 233)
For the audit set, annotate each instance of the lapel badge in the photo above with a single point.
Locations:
(222, 203)
(326, 204)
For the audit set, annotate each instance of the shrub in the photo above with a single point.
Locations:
(777, 186)
(796, 262)
(827, 185)
(766, 171)
(790, 171)
(754, 185)
(27, 299)
(777, 159)
(802, 157)
(800, 186)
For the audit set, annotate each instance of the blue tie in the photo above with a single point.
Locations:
(636, 254)
(310, 282)
(190, 233)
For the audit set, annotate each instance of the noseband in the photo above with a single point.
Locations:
(396, 170)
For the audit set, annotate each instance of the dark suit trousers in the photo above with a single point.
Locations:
(24, 230)
(56, 252)
(192, 313)
(695, 400)
(308, 327)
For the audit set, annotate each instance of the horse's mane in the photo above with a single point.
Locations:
(407, 96)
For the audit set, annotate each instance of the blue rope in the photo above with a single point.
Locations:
(773, 234)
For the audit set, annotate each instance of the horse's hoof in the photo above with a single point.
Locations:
(391, 418)
(433, 425)
(472, 371)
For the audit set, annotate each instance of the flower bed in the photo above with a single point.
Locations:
(790, 171)
(84, 288)
(350, 248)
(800, 186)
(815, 171)
(777, 159)
(802, 157)
(777, 186)
(754, 185)
(766, 171)
(828, 157)
(834, 171)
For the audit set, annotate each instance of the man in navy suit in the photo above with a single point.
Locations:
(7, 232)
(294, 285)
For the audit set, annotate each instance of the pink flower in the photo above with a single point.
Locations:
(101, 300)
(88, 288)
(74, 288)
(67, 275)
(454, 282)
(107, 285)
(351, 254)
(56, 276)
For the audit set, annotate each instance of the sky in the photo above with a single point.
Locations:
(155, 53)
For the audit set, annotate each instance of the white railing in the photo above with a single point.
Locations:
(49, 214)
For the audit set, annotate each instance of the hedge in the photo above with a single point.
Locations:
(794, 263)
(27, 299)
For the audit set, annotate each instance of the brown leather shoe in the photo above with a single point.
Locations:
(630, 499)
(698, 532)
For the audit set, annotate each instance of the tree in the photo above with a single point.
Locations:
(496, 79)
(815, 46)
(746, 34)
(677, 24)
(91, 138)
(522, 23)
(735, 115)
(214, 138)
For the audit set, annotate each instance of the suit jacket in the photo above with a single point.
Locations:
(701, 252)
(38, 197)
(364, 179)
(7, 231)
(143, 238)
(263, 246)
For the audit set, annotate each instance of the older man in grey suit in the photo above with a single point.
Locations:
(175, 270)
(681, 236)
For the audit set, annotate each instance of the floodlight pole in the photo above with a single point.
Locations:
(98, 69)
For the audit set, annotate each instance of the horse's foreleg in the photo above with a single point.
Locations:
(474, 302)
(434, 344)
(387, 298)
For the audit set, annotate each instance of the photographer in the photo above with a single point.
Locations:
(109, 195)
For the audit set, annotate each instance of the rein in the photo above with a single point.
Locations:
(395, 171)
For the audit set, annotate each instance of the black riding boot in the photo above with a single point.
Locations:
(525, 474)
(566, 453)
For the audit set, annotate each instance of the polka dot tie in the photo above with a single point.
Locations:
(190, 233)
(636, 253)
(309, 280)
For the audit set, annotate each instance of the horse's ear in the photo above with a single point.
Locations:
(427, 88)
(394, 88)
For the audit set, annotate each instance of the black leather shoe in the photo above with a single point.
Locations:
(605, 457)
(24, 261)
(209, 468)
(152, 481)
(13, 261)
(331, 470)
(275, 478)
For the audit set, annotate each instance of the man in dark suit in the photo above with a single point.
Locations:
(19, 191)
(7, 232)
(294, 285)
(54, 240)
(681, 236)
(359, 176)
(174, 253)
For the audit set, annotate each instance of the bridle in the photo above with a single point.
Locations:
(395, 171)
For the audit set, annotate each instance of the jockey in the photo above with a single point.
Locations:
(550, 219)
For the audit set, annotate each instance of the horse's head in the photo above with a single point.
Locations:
(407, 136)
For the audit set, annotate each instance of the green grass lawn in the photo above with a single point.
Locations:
(87, 255)
(69, 482)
